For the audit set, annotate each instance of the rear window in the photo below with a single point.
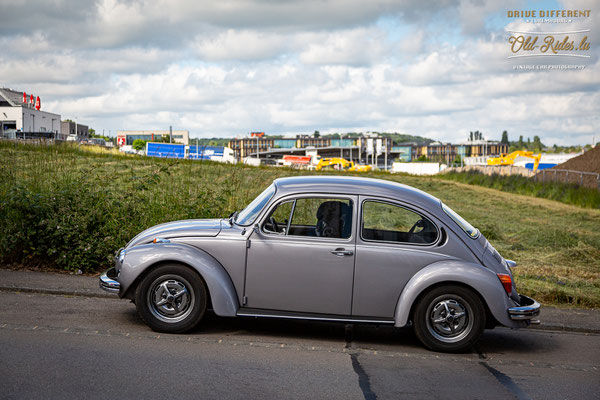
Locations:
(460, 221)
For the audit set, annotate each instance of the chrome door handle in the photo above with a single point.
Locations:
(342, 252)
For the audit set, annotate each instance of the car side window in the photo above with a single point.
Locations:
(318, 217)
(391, 223)
(279, 219)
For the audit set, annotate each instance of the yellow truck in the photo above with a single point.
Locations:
(341, 164)
(509, 159)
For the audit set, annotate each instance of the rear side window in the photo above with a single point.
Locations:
(391, 223)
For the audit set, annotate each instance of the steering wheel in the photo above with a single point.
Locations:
(419, 224)
(274, 224)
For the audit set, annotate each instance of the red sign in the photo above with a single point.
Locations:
(121, 140)
(257, 134)
(24, 97)
(38, 103)
(297, 159)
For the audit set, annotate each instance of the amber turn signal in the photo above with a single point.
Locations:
(506, 281)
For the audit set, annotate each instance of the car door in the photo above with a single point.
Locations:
(394, 241)
(301, 257)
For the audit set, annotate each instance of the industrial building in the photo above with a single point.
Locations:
(126, 138)
(21, 116)
(369, 148)
(75, 130)
(269, 148)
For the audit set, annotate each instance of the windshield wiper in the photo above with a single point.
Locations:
(233, 217)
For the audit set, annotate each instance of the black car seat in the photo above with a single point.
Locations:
(334, 219)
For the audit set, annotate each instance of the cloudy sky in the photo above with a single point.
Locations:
(228, 67)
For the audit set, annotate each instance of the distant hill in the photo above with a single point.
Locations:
(219, 142)
(396, 138)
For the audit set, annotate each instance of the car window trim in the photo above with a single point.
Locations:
(352, 198)
(363, 200)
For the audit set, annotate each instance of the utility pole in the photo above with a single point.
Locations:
(350, 147)
(170, 134)
(385, 154)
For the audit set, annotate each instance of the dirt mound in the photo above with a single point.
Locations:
(587, 162)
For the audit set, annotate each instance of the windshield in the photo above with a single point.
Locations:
(460, 221)
(249, 214)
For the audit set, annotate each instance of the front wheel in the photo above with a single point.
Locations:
(171, 299)
(449, 318)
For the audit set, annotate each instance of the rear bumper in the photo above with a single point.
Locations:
(108, 281)
(529, 310)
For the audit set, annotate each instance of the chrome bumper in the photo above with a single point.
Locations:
(108, 281)
(527, 311)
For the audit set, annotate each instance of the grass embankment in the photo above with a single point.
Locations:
(567, 193)
(67, 208)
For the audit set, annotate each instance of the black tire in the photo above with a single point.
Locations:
(442, 331)
(183, 295)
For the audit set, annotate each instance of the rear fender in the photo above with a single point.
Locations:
(139, 259)
(482, 280)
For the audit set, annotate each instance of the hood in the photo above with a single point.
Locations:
(186, 228)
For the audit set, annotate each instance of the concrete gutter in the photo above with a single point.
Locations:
(51, 283)
(552, 318)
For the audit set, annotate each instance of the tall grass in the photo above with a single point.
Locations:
(71, 209)
(62, 206)
(568, 193)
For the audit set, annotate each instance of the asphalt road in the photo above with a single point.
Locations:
(80, 347)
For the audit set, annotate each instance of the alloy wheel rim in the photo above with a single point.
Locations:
(449, 318)
(171, 298)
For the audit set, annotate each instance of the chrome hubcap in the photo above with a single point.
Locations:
(449, 318)
(171, 298)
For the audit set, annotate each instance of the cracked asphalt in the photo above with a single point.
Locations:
(58, 346)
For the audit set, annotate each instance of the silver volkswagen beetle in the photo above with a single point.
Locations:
(326, 248)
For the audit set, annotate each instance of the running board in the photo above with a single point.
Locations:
(252, 312)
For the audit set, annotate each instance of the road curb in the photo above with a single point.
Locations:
(59, 292)
(562, 328)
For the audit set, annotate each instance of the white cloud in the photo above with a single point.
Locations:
(242, 45)
(230, 67)
(348, 47)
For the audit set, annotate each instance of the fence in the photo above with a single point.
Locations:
(582, 178)
(494, 169)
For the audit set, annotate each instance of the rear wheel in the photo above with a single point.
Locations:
(171, 298)
(449, 318)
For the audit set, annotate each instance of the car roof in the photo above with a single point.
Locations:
(356, 186)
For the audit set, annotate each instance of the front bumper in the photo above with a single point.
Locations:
(108, 281)
(527, 311)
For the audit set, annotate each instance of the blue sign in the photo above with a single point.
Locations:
(540, 166)
(165, 150)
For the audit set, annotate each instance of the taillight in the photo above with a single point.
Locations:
(506, 282)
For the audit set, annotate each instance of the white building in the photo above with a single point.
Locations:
(20, 114)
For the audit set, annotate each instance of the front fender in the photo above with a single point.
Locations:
(139, 258)
(479, 278)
